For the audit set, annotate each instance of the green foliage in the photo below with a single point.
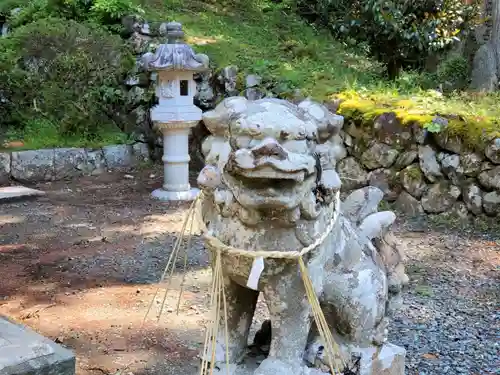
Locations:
(414, 173)
(453, 73)
(112, 10)
(399, 33)
(282, 85)
(265, 37)
(62, 72)
(432, 127)
(61, 68)
(33, 10)
(6, 6)
(103, 12)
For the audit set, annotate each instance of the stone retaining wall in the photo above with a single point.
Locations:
(421, 172)
(61, 163)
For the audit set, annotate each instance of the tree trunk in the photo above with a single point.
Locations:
(393, 69)
(495, 31)
(486, 65)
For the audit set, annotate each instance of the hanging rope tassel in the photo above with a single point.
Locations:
(217, 300)
(172, 261)
(335, 361)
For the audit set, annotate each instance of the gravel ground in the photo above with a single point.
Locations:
(79, 266)
(450, 321)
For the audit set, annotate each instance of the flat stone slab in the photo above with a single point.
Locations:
(386, 360)
(23, 351)
(18, 192)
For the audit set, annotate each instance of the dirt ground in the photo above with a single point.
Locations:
(80, 266)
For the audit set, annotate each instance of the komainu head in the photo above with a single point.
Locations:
(270, 158)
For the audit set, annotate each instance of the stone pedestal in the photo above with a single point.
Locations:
(176, 163)
(386, 360)
(22, 351)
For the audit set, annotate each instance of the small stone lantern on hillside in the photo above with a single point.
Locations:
(174, 64)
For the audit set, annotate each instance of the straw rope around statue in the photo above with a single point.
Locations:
(218, 302)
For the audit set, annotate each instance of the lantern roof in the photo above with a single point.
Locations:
(175, 54)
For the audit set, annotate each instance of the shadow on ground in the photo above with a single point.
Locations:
(92, 232)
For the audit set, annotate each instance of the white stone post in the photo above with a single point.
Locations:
(176, 162)
(175, 115)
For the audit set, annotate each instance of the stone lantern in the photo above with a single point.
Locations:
(174, 64)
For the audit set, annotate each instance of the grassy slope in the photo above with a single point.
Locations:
(258, 36)
(44, 134)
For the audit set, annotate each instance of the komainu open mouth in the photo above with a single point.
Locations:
(263, 192)
(263, 182)
(270, 174)
(270, 160)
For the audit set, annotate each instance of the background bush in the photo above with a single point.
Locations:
(63, 72)
(399, 33)
(107, 13)
(453, 73)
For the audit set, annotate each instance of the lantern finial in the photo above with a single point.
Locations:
(175, 34)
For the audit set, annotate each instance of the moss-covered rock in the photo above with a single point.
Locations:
(473, 197)
(413, 180)
(408, 205)
(379, 155)
(387, 181)
(405, 159)
(429, 164)
(389, 130)
(462, 131)
(449, 142)
(471, 163)
(491, 203)
(492, 151)
(352, 174)
(440, 197)
(452, 169)
(490, 178)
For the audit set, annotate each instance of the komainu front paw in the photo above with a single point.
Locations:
(381, 332)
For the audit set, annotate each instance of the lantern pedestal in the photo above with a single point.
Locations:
(175, 159)
(166, 196)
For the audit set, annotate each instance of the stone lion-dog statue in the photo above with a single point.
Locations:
(270, 184)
